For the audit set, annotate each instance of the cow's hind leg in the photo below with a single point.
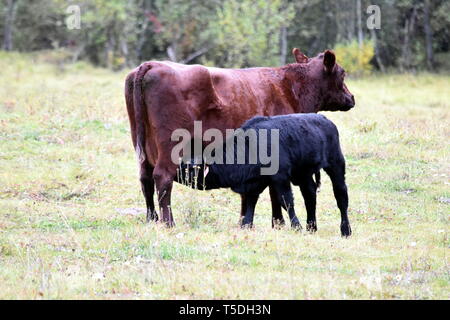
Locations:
(309, 189)
(163, 176)
(148, 189)
(286, 199)
(337, 176)
(277, 216)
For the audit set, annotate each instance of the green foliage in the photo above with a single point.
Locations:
(248, 32)
(182, 26)
(120, 34)
(39, 25)
(355, 59)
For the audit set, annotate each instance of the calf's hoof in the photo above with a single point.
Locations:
(246, 225)
(295, 224)
(277, 223)
(311, 227)
(346, 230)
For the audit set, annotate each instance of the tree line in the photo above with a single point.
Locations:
(413, 35)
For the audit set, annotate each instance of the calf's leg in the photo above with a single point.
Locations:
(277, 216)
(148, 189)
(250, 202)
(337, 176)
(286, 199)
(243, 205)
(309, 192)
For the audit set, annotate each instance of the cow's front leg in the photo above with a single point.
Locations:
(277, 215)
(164, 176)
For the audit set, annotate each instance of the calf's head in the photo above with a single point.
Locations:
(196, 176)
(320, 83)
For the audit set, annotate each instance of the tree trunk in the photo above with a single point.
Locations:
(283, 45)
(125, 51)
(142, 33)
(172, 52)
(77, 52)
(351, 21)
(428, 35)
(195, 54)
(405, 62)
(340, 34)
(109, 50)
(319, 41)
(377, 51)
(9, 24)
(328, 40)
(125, 33)
(172, 49)
(359, 18)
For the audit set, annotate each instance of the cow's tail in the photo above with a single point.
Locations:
(140, 112)
(318, 183)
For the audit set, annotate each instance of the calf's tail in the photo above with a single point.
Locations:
(140, 112)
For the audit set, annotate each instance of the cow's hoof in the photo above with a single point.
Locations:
(311, 227)
(346, 230)
(169, 223)
(151, 216)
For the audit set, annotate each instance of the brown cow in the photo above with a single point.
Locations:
(162, 96)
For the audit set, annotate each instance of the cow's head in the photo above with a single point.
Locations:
(321, 85)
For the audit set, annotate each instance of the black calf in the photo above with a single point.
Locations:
(307, 143)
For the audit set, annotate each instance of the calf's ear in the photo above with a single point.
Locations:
(329, 61)
(299, 56)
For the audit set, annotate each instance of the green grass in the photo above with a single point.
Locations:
(67, 170)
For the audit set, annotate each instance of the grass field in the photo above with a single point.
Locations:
(69, 188)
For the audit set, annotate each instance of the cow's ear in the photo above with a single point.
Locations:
(329, 61)
(299, 56)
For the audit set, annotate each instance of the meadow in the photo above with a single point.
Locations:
(72, 218)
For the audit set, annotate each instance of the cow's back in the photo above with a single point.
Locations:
(233, 94)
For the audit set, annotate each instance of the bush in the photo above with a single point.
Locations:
(355, 60)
